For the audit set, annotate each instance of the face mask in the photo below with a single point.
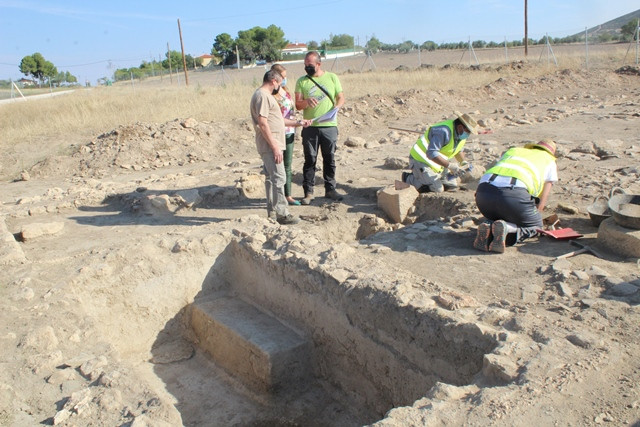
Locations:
(464, 135)
(310, 69)
(275, 91)
(284, 82)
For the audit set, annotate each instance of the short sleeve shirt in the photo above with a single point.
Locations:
(308, 89)
(265, 105)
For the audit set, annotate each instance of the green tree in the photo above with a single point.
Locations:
(313, 45)
(629, 30)
(340, 41)
(605, 37)
(429, 45)
(373, 44)
(407, 46)
(70, 78)
(247, 49)
(479, 44)
(261, 43)
(38, 67)
(175, 58)
(223, 47)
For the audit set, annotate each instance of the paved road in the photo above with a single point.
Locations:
(31, 97)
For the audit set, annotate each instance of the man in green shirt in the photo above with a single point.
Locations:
(319, 95)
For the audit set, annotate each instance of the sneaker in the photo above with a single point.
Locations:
(307, 199)
(483, 237)
(288, 220)
(333, 195)
(499, 231)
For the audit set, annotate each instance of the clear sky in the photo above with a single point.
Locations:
(92, 38)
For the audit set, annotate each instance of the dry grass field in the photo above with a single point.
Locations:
(59, 122)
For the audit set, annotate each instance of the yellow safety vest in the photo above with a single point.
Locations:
(526, 164)
(419, 149)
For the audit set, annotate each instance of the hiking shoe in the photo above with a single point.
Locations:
(483, 237)
(307, 199)
(499, 231)
(288, 220)
(333, 195)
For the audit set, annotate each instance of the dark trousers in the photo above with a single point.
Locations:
(511, 204)
(325, 139)
(288, 158)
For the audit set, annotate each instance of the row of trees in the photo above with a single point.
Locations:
(42, 70)
(627, 33)
(266, 44)
(250, 46)
(172, 61)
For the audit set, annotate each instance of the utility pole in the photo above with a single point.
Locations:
(184, 61)
(526, 31)
(169, 60)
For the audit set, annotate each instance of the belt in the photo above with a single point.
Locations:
(494, 176)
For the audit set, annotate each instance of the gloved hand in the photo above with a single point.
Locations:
(466, 165)
(453, 168)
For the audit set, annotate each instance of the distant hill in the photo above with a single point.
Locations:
(612, 27)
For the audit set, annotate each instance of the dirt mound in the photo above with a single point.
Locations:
(150, 146)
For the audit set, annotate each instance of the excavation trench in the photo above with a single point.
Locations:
(288, 341)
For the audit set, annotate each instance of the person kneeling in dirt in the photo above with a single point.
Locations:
(429, 158)
(513, 193)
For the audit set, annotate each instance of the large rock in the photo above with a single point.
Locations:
(618, 239)
(39, 229)
(397, 203)
(10, 250)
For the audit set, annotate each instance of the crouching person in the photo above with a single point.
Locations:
(429, 160)
(513, 193)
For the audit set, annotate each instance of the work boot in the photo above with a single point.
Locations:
(288, 219)
(499, 232)
(307, 199)
(483, 237)
(333, 195)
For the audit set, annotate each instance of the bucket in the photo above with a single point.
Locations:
(599, 210)
(625, 209)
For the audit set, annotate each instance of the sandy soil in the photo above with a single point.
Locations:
(105, 249)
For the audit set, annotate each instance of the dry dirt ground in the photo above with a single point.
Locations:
(105, 250)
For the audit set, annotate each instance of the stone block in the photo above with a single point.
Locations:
(251, 345)
(397, 203)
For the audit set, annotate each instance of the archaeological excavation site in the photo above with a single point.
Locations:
(143, 283)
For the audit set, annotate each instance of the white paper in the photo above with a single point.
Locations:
(329, 116)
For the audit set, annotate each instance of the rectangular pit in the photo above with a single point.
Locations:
(369, 351)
